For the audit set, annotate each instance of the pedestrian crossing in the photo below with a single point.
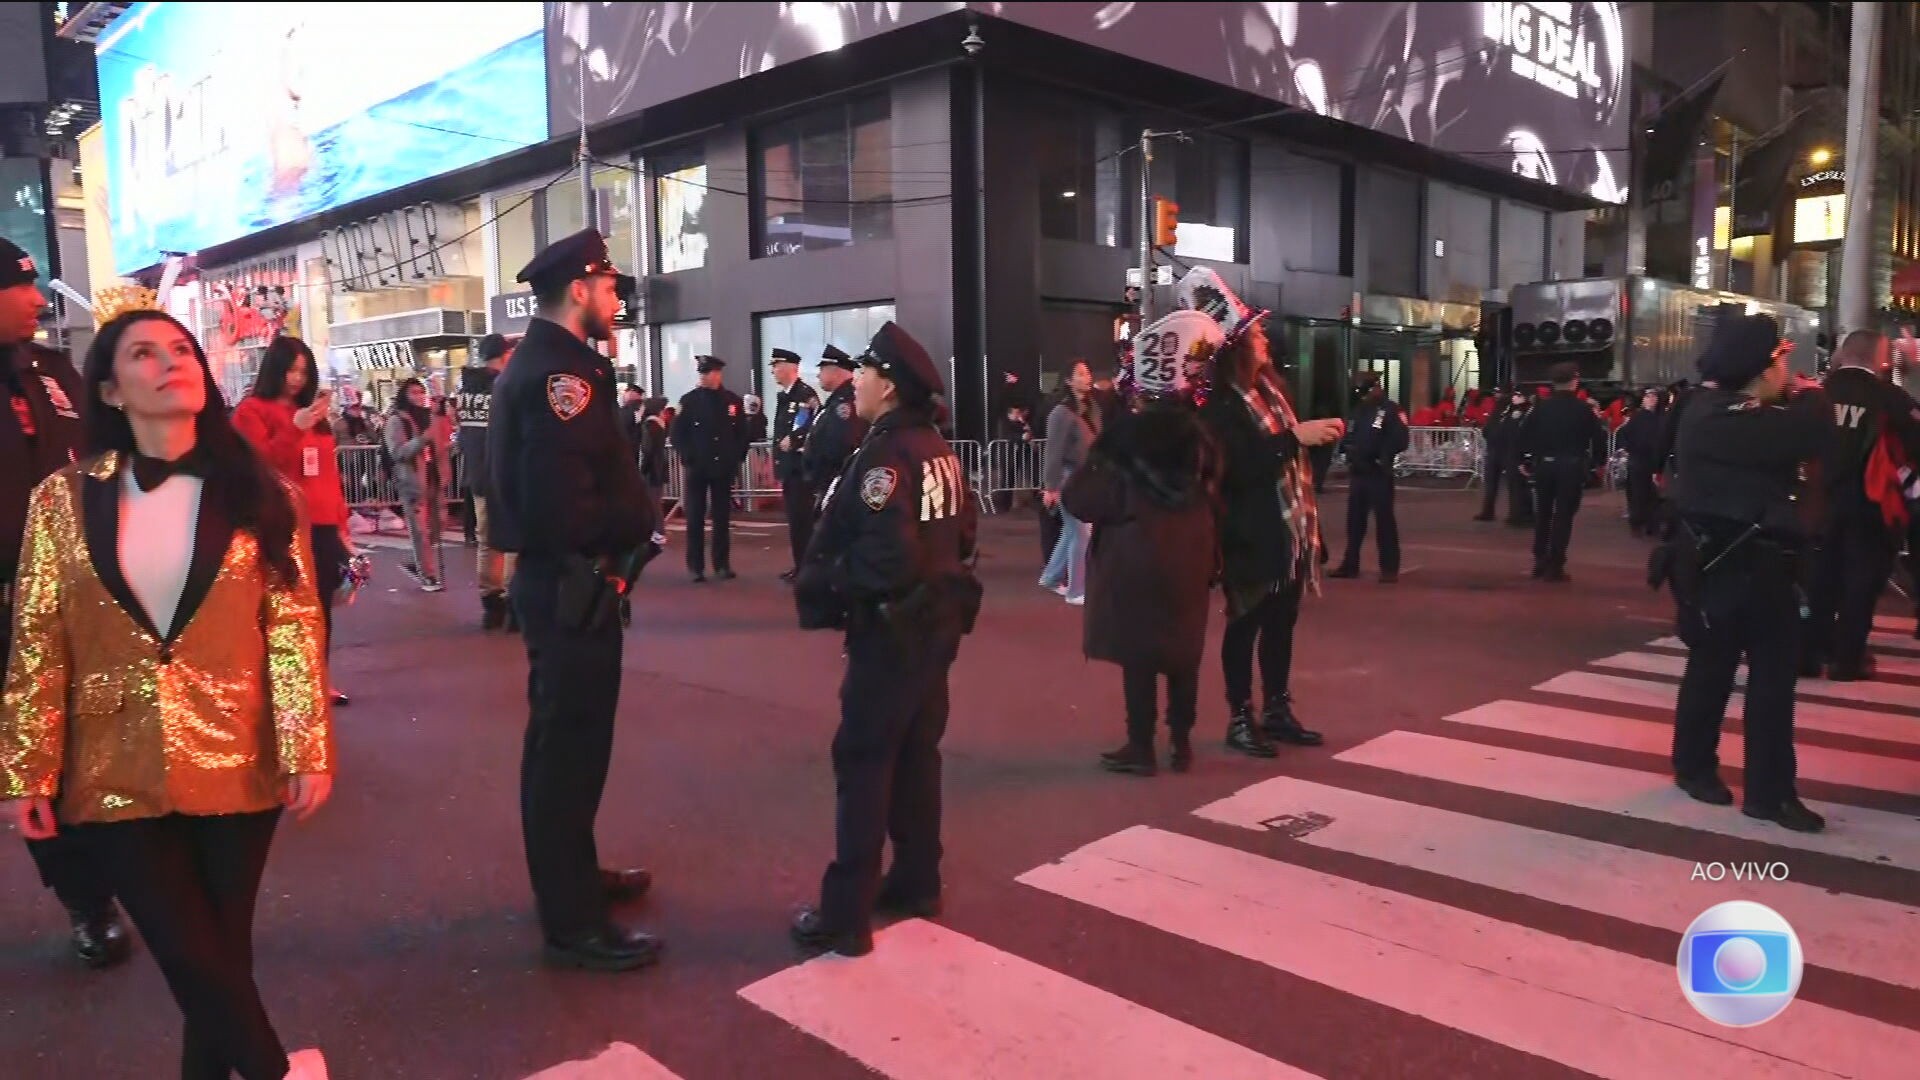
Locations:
(1245, 881)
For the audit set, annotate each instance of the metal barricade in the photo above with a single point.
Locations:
(1012, 468)
(1450, 452)
(368, 484)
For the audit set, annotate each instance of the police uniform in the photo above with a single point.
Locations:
(888, 563)
(474, 407)
(794, 411)
(42, 430)
(710, 436)
(1376, 435)
(837, 430)
(1556, 443)
(566, 497)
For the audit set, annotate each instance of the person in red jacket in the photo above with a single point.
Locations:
(286, 420)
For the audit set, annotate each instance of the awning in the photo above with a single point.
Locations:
(379, 356)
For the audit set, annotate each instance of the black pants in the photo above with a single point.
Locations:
(707, 494)
(1142, 688)
(1558, 484)
(798, 495)
(189, 884)
(1371, 493)
(573, 689)
(1643, 497)
(886, 770)
(1270, 624)
(1492, 472)
(329, 568)
(1748, 608)
(1856, 558)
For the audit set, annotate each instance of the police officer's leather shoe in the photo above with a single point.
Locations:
(625, 884)
(1132, 759)
(1788, 814)
(810, 931)
(611, 949)
(1344, 572)
(493, 612)
(1709, 789)
(1860, 672)
(725, 574)
(1180, 759)
(1279, 723)
(699, 578)
(896, 905)
(100, 937)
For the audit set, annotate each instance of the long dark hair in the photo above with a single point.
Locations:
(245, 489)
(402, 403)
(282, 353)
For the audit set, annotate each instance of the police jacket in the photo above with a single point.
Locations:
(474, 407)
(1504, 432)
(41, 431)
(564, 481)
(794, 411)
(836, 432)
(1738, 460)
(710, 433)
(1865, 405)
(1376, 435)
(1561, 427)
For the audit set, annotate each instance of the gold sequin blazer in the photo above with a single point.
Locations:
(118, 721)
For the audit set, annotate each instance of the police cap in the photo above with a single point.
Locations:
(16, 266)
(834, 357)
(584, 254)
(894, 354)
(705, 364)
(785, 356)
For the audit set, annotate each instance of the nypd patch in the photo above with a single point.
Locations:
(568, 395)
(877, 487)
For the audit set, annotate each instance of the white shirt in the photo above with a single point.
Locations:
(157, 530)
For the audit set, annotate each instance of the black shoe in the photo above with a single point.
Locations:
(1860, 672)
(1246, 737)
(725, 574)
(1180, 759)
(1389, 577)
(895, 906)
(1557, 577)
(493, 612)
(1278, 723)
(1709, 789)
(699, 577)
(100, 938)
(788, 575)
(810, 931)
(625, 885)
(1812, 667)
(1788, 814)
(1132, 759)
(513, 621)
(1344, 572)
(611, 949)
(1488, 516)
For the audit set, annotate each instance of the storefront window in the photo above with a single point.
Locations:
(680, 203)
(825, 180)
(679, 343)
(613, 212)
(810, 332)
(1078, 146)
(514, 232)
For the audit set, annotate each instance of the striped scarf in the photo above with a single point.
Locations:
(1273, 414)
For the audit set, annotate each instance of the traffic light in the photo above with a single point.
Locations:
(1166, 219)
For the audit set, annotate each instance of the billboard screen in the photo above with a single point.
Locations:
(1538, 89)
(23, 210)
(226, 119)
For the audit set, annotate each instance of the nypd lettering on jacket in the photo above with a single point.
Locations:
(474, 409)
(943, 488)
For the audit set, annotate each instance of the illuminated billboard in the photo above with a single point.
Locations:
(223, 120)
(1819, 218)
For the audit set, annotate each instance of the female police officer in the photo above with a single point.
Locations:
(888, 564)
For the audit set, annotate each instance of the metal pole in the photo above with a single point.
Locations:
(980, 246)
(1146, 228)
(586, 166)
(1733, 202)
(1863, 127)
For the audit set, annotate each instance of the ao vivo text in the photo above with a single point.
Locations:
(1739, 871)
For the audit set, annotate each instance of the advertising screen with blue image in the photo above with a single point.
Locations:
(223, 120)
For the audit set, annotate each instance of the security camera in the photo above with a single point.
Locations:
(972, 43)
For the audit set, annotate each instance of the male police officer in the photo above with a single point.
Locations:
(889, 565)
(794, 411)
(710, 435)
(41, 431)
(838, 429)
(1556, 444)
(567, 498)
(1376, 435)
(475, 407)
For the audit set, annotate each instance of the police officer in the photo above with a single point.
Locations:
(1556, 451)
(474, 406)
(41, 432)
(1731, 562)
(795, 408)
(568, 499)
(888, 564)
(838, 429)
(1502, 438)
(1376, 435)
(710, 435)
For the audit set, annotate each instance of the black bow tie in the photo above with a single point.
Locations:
(150, 473)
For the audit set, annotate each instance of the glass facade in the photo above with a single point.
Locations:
(613, 212)
(824, 179)
(680, 209)
(809, 333)
(679, 343)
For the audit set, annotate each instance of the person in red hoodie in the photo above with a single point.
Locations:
(286, 420)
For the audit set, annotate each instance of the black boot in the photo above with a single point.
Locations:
(1181, 759)
(1131, 758)
(493, 612)
(1279, 723)
(100, 937)
(1245, 736)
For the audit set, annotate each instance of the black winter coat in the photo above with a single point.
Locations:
(1147, 491)
(1256, 546)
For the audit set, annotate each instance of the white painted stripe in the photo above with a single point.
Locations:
(1896, 624)
(1810, 715)
(620, 1061)
(1592, 1009)
(1906, 666)
(1875, 772)
(931, 1004)
(1852, 832)
(1898, 695)
(1881, 642)
(1873, 938)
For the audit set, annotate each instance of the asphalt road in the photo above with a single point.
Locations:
(395, 930)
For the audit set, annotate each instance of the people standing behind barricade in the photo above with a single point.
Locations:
(1270, 525)
(710, 436)
(1147, 491)
(1071, 429)
(285, 420)
(633, 411)
(417, 443)
(1014, 464)
(493, 567)
(1376, 436)
(1500, 462)
(1730, 564)
(1556, 445)
(795, 409)
(1639, 436)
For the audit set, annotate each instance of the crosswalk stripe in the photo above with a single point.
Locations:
(1590, 1008)
(1894, 623)
(1874, 772)
(932, 1004)
(1905, 666)
(1872, 693)
(1810, 715)
(621, 1061)
(1881, 642)
(1853, 832)
(1873, 938)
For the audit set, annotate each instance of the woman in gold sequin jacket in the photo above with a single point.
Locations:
(166, 697)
